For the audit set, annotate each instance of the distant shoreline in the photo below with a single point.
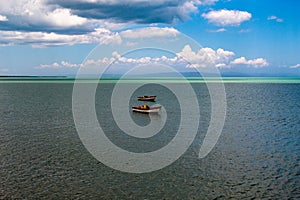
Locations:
(69, 79)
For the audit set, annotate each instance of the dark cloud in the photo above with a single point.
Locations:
(15, 23)
(80, 21)
(76, 17)
(143, 12)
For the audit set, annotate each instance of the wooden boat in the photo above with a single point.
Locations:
(146, 109)
(146, 98)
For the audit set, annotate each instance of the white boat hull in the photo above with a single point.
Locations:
(151, 110)
(146, 98)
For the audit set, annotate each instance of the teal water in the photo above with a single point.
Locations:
(256, 157)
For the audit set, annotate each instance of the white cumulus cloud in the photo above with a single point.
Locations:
(41, 39)
(258, 62)
(99, 35)
(31, 14)
(273, 17)
(3, 18)
(150, 32)
(62, 64)
(205, 56)
(63, 18)
(227, 17)
(186, 58)
(218, 30)
(295, 66)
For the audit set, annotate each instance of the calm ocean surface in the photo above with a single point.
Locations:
(257, 155)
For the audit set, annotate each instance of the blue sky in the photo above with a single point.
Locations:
(53, 37)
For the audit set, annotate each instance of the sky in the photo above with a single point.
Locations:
(238, 37)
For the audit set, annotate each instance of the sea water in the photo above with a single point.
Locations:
(257, 154)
